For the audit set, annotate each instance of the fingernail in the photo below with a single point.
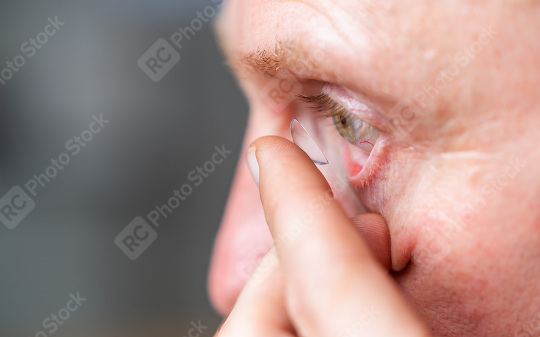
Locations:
(253, 164)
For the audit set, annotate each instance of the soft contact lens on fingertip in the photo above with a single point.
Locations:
(304, 141)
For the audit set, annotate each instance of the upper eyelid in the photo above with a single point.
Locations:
(320, 102)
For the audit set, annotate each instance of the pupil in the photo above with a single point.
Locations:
(343, 120)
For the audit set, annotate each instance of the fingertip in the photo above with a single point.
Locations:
(280, 161)
(253, 164)
(268, 147)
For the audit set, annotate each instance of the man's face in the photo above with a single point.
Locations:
(453, 89)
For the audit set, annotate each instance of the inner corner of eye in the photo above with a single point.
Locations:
(355, 157)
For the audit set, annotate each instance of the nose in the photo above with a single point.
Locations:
(243, 238)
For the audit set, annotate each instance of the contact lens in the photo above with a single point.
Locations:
(304, 141)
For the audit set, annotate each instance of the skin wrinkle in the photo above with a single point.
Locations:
(367, 14)
(372, 23)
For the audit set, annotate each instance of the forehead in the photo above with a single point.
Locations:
(370, 38)
(245, 24)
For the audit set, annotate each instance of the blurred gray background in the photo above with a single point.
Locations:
(158, 132)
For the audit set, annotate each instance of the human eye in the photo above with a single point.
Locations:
(353, 129)
(358, 140)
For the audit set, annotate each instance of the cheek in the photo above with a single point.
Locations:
(467, 278)
(474, 255)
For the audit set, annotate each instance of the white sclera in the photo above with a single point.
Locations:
(304, 141)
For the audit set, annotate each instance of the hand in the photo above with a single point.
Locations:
(320, 278)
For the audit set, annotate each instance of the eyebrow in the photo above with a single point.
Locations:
(282, 55)
(267, 61)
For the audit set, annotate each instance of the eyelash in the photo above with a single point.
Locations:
(326, 106)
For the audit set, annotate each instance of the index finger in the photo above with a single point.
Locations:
(327, 267)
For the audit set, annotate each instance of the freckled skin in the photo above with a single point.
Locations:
(460, 188)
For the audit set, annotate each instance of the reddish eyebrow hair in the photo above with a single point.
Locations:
(268, 61)
(263, 61)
